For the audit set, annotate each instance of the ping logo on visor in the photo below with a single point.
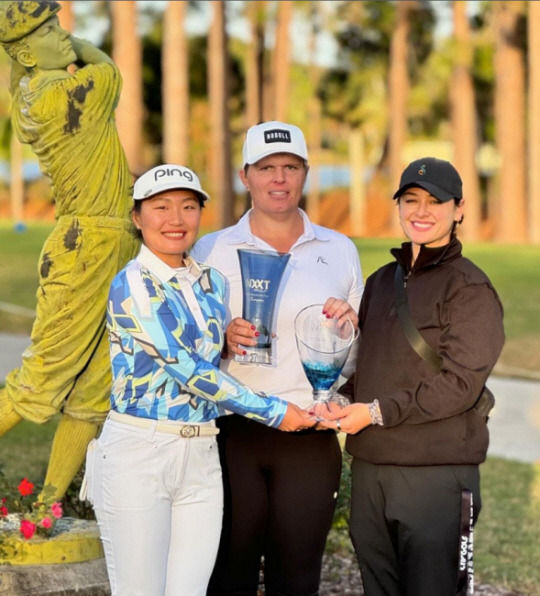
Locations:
(277, 136)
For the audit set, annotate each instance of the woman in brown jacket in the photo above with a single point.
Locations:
(415, 431)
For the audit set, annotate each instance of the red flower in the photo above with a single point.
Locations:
(56, 510)
(46, 522)
(27, 528)
(26, 487)
(3, 511)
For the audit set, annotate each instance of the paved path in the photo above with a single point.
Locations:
(514, 423)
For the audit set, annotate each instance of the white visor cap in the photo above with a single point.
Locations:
(167, 177)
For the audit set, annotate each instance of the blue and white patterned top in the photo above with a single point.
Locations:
(166, 335)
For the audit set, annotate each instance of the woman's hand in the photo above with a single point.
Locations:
(239, 333)
(339, 309)
(296, 419)
(350, 419)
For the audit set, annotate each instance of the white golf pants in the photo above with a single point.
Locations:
(158, 500)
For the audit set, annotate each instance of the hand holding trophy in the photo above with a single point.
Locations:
(323, 347)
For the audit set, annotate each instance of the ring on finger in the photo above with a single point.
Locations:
(338, 426)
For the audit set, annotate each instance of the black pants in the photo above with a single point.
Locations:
(280, 496)
(405, 526)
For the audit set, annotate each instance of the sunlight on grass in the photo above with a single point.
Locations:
(507, 549)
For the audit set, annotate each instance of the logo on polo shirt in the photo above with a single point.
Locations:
(277, 135)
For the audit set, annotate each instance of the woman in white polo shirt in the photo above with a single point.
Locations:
(281, 488)
(154, 476)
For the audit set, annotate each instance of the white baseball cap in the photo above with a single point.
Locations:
(167, 177)
(273, 137)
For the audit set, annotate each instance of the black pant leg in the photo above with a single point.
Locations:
(302, 498)
(417, 513)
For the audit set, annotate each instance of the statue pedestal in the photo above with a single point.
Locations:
(75, 541)
(69, 579)
(71, 562)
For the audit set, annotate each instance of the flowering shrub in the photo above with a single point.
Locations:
(20, 507)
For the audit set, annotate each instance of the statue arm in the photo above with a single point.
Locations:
(88, 53)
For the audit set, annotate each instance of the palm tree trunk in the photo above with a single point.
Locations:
(255, 63)
(464, 124)
(218, 95)
(511, 212)
(534, 120)
(65, 15)
(357, 161)
(398, 93)
(16, 185)
(175, 84)
(314, 111)
(281, 70)
(127, 54)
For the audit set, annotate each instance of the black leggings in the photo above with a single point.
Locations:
(280, 497)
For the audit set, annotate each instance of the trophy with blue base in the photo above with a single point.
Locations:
(261, 275)
(323, 346)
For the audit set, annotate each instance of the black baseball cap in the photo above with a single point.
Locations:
(437, 176)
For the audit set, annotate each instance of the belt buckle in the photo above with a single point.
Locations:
(189, 431)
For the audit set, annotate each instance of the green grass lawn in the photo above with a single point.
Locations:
(506, 538)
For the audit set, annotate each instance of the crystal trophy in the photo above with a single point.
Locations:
(261, 274)
(323, 347)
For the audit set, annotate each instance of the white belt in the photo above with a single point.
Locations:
(187, 431)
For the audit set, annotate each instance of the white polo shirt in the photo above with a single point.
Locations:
(323, 264)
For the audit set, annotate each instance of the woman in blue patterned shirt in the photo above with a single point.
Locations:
(153, 476)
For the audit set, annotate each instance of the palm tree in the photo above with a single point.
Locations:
(281, 67)
(127, 54)
(16, 184)
(463, 120)
(65, 15)
(534, 120)
(256, 11)
(398, 91)
(511, 212)
(315, 116)
(175, 84)
(218, 97)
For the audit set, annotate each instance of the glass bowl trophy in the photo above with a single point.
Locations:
(261, 274)
(323, 348)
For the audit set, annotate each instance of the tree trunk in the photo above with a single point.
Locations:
(357, 165)
(218, 96)
(65, 15)
(398, 93)
(175, 84)
(534, 120)
(255, 63)
(127, 54)
(463, 122)
(281, 69)
(314, 114)
(511, 220)
(16, 184)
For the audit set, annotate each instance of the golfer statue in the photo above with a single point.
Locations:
(68, 119)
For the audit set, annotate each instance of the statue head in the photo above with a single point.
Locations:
(18, 19)
(31, 34)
